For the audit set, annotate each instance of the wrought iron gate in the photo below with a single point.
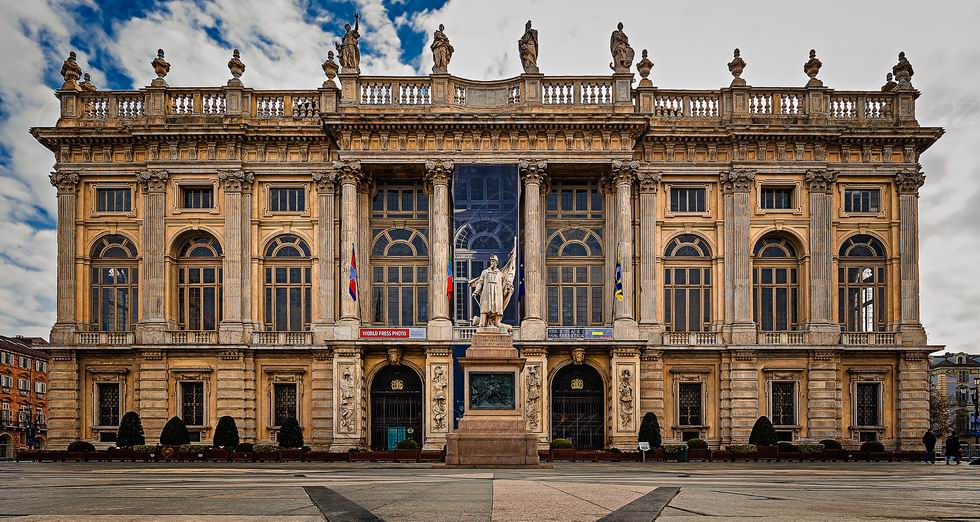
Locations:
(578, 407)
(396, 407)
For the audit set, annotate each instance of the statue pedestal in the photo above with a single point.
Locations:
(492, 432)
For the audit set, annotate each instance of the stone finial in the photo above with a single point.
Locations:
(330, 68)
(811, 68)
(442, 51)
(622, 53)
(644, 66)
(903, 72)
(87, 84)
(237, 68)
(161, 67)
(889, 83)
(736, 66)
(71, 72)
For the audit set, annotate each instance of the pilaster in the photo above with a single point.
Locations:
(744, 377)
(651, 327)
(822, 327)
(437, 175)
(912, 402)
(908, 183)
(235, 390)
(324, 320)
(64, 399)
(624, 368)
(236, 258)
(321, 382)
(152, 326)
(535, 177)
(349, 174)
(439, 403)
(63, 331)
(736, 185)
(652, 396)
(151, 392)
(348, 377)
(623, 176)
(824, 396)
(537, 400)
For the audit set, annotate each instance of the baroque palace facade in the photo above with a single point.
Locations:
(710, 256)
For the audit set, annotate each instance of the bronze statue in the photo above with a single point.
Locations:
(527, 47)
(622, 53)
(347, 49)
(442, 51)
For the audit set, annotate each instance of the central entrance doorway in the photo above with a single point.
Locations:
(396, 407)
(578, 406)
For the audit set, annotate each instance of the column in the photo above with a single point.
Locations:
(152, 328)
(736, 185)
(321, 383)
(822, 327)
(323, 322)
(824, 396)
(348, 393)
(908, 183)
(437, 176)
(624, 368)
(912, 399)
(439, 403)
(349, 174)
(623, 175)
(236, 260)
(64, 328)
(534, 379)
(248, 322)
(650, 325)
(535, 176)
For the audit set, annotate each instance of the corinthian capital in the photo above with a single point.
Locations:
(348, 172)
(66, 181)
(820, 180)
(152, 180)
(737, 180)
(235, 180)
(909, 181)
(624, 172)
(534, 171)
(649, 180)
(438, 171)
(325, 181)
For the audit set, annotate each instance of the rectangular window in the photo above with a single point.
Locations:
(689, 404)
(192, 403)
(6, 381)
(862, 200)
(287, 199)
(113, 199)
(40, 366)
(40, 387)
(197, 197)
(688, 199)
(23, 384)
(24, 363)
(777, 198)
(108, 403)
(284, 402)
(868, 404)
(783, 403)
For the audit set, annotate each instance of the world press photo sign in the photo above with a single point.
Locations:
(392, 333)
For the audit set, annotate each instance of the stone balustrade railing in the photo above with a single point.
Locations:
(787, 337)
(282, 338)
(192, 337)
(869, 339)
(692, 338)
(104, 338)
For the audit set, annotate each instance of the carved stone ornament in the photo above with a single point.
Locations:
(66, 181)
(812, 68)
(578, 355)
(532, 401)
(438, 171)
(161, 67)
(71, 72)
(237, 68)
(534, 171)
(624, 172)
(330, 68)
(348, 172)
(737, 180)
(234, 180)
(890, 84)
(152, 180)
(622, 53)
(820, 180)
(649, 180)
(527, 49)
(626, 400)
(442, 51)
(644, 66)
(348, 50)
(736, 66)
(903, 72)
(325, 181)
(347, 400)
(439, 385)
(394, 356)
(87, 84)
(909, 181)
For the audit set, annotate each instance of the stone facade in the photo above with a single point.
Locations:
(727, 173)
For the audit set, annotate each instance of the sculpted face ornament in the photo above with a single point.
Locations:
(578, 355)
(394, 356)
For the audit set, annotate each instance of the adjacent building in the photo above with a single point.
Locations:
(956, 375)
(23, 393)
(707, 255)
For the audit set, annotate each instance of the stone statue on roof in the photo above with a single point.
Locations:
(527, 47)
(442, 51)
(348, 51)
(622, 53)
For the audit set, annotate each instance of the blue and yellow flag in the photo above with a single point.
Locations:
(619, 276)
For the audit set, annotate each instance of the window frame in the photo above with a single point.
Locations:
(855, 416)
(177, 195)
(878, 264)
(267, 205)
(204, 402)
(668, 191)
(770, 392)
(792, 263)
(270, 285)
(882, 199)
(701, 413)
(592, 264)
(273, 403)
(795, 188)
(97, 188)
(97, 404)
(96, 290)
(704, 264)
(385, 264)
(183, 264)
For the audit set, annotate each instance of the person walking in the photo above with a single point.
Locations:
(929, 441)
(953, 448)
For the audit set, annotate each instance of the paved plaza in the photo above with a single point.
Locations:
(308, 492)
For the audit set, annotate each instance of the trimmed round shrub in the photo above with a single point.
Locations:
(130, 431)
(561, 444)
(226, 433)
(290, 434)
(873, 446)
(788, 447)
(697, 444)
(763, 432)
(245, 447)
(831, 444)
(407, 444)
(650, 430)
(79, 446)
(175, 433)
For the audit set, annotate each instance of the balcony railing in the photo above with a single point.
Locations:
(787, 337)
(192, 337)
(463, 333)
(691, 338)
(869, 338)
(282, 338)
(104, 338)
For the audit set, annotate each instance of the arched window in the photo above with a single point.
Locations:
(199, 278)
(400, 277)
(775, 284)
(861, 284)
(287, 286)
(576, 286)
(113, 286)
(687, 284)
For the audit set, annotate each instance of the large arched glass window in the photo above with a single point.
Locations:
(775, 284)
(287, 284)
(861, 284)
(199, 279)
(687, 284)
(575, 265)
(400, 282)
(113, 286)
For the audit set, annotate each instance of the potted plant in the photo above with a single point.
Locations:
(562, 449)
(129, 434)
(788, 451)
(146, 453)
(81, 450)
(266, 452)
(650, 433)
(743, 451)
(244, 452)
(407, 450)
(698, 449)
(874, 450)
(833, 450)
(676, 452)
(763, 436)
(358, 455)
(290, 438)
(225, 439)
(173, 436)
(811, 451)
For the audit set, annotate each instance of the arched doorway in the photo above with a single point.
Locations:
(396, 407)
(6, 447)
(578, 406)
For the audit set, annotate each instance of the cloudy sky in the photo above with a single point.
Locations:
(283, 43)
